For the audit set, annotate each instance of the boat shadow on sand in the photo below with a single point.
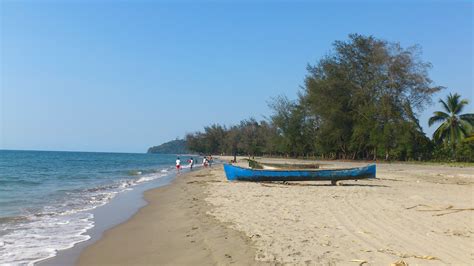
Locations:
(289, 184)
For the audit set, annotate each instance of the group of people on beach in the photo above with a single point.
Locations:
(206, 162)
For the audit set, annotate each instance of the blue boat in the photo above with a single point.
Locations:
(245, 174)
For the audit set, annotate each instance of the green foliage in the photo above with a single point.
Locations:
(254, 164)
(296, 128)
(209, 142)
(464, 153)
(248, 138)
(177, 146)
(454, 126)
(364, 95)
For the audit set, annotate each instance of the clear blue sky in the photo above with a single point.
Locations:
(106, 76)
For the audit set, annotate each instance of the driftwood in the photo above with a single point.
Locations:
(449, 209)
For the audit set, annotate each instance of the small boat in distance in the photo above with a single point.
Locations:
(289, 166)
(245, 174)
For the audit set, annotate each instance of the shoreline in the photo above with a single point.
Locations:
(119, 210)
(173, 228)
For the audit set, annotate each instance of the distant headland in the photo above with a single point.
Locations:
(177, 146)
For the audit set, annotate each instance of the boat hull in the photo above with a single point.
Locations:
(244, 174)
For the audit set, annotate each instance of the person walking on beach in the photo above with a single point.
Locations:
(191, 163)
(178, 164)
(210, 160)
(204, 161)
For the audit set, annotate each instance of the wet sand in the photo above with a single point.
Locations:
(419, 214)
(173, 229)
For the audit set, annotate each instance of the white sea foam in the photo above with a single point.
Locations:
(42, 235)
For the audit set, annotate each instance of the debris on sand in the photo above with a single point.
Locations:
(399, 263)
(361, 262)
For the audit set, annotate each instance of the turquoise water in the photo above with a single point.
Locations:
(45, 196)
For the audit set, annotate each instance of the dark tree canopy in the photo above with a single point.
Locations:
(365, 94)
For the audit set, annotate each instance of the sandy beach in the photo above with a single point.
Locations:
(173, 229)
(415, 213)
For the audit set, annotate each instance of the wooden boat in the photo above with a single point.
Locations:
(245, 174)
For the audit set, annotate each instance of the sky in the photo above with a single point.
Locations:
(122, 76)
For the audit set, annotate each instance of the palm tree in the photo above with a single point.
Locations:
(454, 125)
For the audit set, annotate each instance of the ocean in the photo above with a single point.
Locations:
(47, 198)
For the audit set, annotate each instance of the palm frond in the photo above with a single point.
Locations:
(468, 117)
(468, 127)
(469, 138)
(437, 117)
(460, 106)
(453, 102)
(445, 106)
(461, 132)
(441, 132)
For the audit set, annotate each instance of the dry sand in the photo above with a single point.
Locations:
(421, 214)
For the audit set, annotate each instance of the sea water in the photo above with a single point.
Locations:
(46, 198)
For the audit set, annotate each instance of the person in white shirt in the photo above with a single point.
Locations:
(178, 164)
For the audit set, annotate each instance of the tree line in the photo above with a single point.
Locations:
(358, 102)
